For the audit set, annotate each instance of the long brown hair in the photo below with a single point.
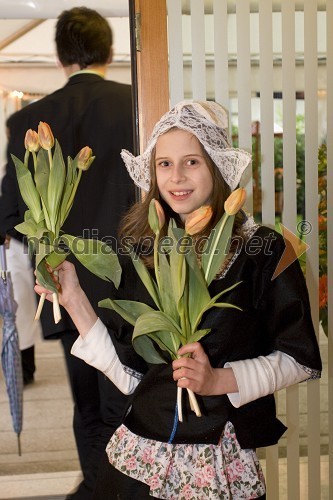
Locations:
(134, 226)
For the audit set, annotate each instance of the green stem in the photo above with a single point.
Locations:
(186, 314)
(182, 316)
(35, 160)
(52, 225)
(56, 308)
(193, 400)
(50, 158)
(46, 215)
(71, 198)
(156, 262)
(179, 404)
(26, 157)
(194, 403)
(212, 250)
(40, 305)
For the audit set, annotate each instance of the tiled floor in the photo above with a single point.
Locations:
(48, 468)
(49, 462)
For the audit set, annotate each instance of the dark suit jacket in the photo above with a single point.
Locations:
(87, 111)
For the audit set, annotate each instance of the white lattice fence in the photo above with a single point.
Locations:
(233, 52)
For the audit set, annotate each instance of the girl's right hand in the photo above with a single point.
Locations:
(67, 283)
(71, 297)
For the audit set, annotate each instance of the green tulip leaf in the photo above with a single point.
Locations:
(166, 291)
(96, 256)
(31, 247)
(154, 321)
(41, 217)
(177, 264)
(43, 234)
(153, 217)
(43, 276)
(166, 341)
(65, 209)
(157, 322)
(146, 279)
(213, 303)
(162, 339)
(226, 305)
(42, 251)
(56, 257)
(42, 174)
(55, 187)
(28, 189)
(175, 232)
(144, 346)
(69, 190)
(226, 290)
(217, 247)
(198, 335)
(28, 215)
(128, 309)
(28, 228)
(198, 300)
(71, 170)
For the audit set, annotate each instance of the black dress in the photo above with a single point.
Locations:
(275, 316)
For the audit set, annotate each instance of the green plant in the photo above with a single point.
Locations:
(48, 190)
(322, 229)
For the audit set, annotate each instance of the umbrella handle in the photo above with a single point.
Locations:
(3, 262)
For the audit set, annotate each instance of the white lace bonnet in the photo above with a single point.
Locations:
(208, 121)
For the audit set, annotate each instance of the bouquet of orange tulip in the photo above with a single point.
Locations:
(180, 288)
(49, 195)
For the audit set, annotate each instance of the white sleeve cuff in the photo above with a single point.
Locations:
(97, 350)
(264, 375)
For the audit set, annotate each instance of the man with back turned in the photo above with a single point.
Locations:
(87, 111)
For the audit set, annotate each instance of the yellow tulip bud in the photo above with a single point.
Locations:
(235, 201)
(198, 220)
(31, 142)
(160, 214)
(85, 158)
(156, 218)
(45, 136)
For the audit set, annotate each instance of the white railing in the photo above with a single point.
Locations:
(329, 66)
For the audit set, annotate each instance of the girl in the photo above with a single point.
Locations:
(235, 369)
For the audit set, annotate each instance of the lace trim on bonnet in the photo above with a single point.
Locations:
(208, 121)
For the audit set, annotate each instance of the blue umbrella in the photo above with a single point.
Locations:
(10, 353)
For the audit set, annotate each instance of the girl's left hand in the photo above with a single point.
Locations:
(196, 373)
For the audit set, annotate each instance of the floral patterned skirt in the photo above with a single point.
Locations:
(189, 471)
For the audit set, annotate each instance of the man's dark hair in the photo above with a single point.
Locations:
(82, 37)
